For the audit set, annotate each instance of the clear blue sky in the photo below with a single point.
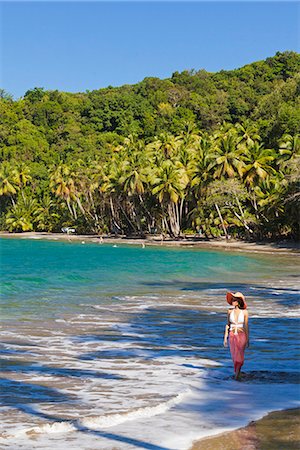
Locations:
(75, 46)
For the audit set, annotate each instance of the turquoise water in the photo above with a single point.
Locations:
(101, 344)
(52, 277)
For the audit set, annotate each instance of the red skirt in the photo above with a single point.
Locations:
(237, 344)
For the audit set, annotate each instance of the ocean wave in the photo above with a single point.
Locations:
(140, 413)
(98, 422)
(48, 428)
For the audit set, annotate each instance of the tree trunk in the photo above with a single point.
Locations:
(181, 212)
(69, 206)
(255, 206)
(80, 206)
(112, 209)
(242, 218)
(127, 218)
(74, 211)
(243, 221)
(12, 200)
(222, 221)
(150, 217)
(165, 224)
(94, 214)
(174, 218)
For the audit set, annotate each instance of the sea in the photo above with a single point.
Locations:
(109, 346)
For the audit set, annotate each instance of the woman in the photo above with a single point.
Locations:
(237, 329)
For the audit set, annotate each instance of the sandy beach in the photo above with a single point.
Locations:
(277, 431)
(283, 247)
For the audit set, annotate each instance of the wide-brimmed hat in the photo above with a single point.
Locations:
(230, 297)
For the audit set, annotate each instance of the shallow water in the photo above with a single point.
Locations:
(120, 347)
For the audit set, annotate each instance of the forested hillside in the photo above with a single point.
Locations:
(212, 152)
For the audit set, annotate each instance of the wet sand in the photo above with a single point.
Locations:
(283, 247)
(279, 430)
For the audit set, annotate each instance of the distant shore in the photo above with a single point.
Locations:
(277, 431)
(283, 247)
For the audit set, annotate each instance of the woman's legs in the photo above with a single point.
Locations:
(237, 370)
(237, 343)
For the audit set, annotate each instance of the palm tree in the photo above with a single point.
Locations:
(134, 177)
(257, 164)
(47, 214)
(167, 144)
(227, 158)
(22, 215)
(133, 181)
(200, 164)
(257, 168)
(248, 132)
(229, 195)
(111, 188)
(62, 183)
(22, 176)
(189, 136)
(91, 181)
(289, 147)
(8, 181)
(270, 193)
(291, 195)
(8, 185)
(168, 184)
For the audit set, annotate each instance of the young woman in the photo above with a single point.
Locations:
(237, 329)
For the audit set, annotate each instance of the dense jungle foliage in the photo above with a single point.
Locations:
(210, 153)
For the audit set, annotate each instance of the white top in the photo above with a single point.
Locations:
(234, 325)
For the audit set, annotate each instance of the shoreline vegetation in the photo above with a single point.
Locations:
(216, 154)
(283, 247)
(277, 430)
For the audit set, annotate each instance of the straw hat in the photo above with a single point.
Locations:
(230, 297)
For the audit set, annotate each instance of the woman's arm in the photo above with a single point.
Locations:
(246, 326)
(226, 332)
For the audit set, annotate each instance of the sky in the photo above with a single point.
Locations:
(79, 46)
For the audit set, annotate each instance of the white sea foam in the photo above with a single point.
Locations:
(102, 422)
(177, 422)
(47, 428)
(206, 301)
(125, 372)
(141, 413)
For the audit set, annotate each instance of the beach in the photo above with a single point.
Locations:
(284, 246)
(277, 431)
(102, 344)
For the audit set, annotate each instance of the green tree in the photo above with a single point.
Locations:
(22, 215)
(227, 161)
(8, 181)
(168, 184)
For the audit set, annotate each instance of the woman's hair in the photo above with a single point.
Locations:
(240, 303)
